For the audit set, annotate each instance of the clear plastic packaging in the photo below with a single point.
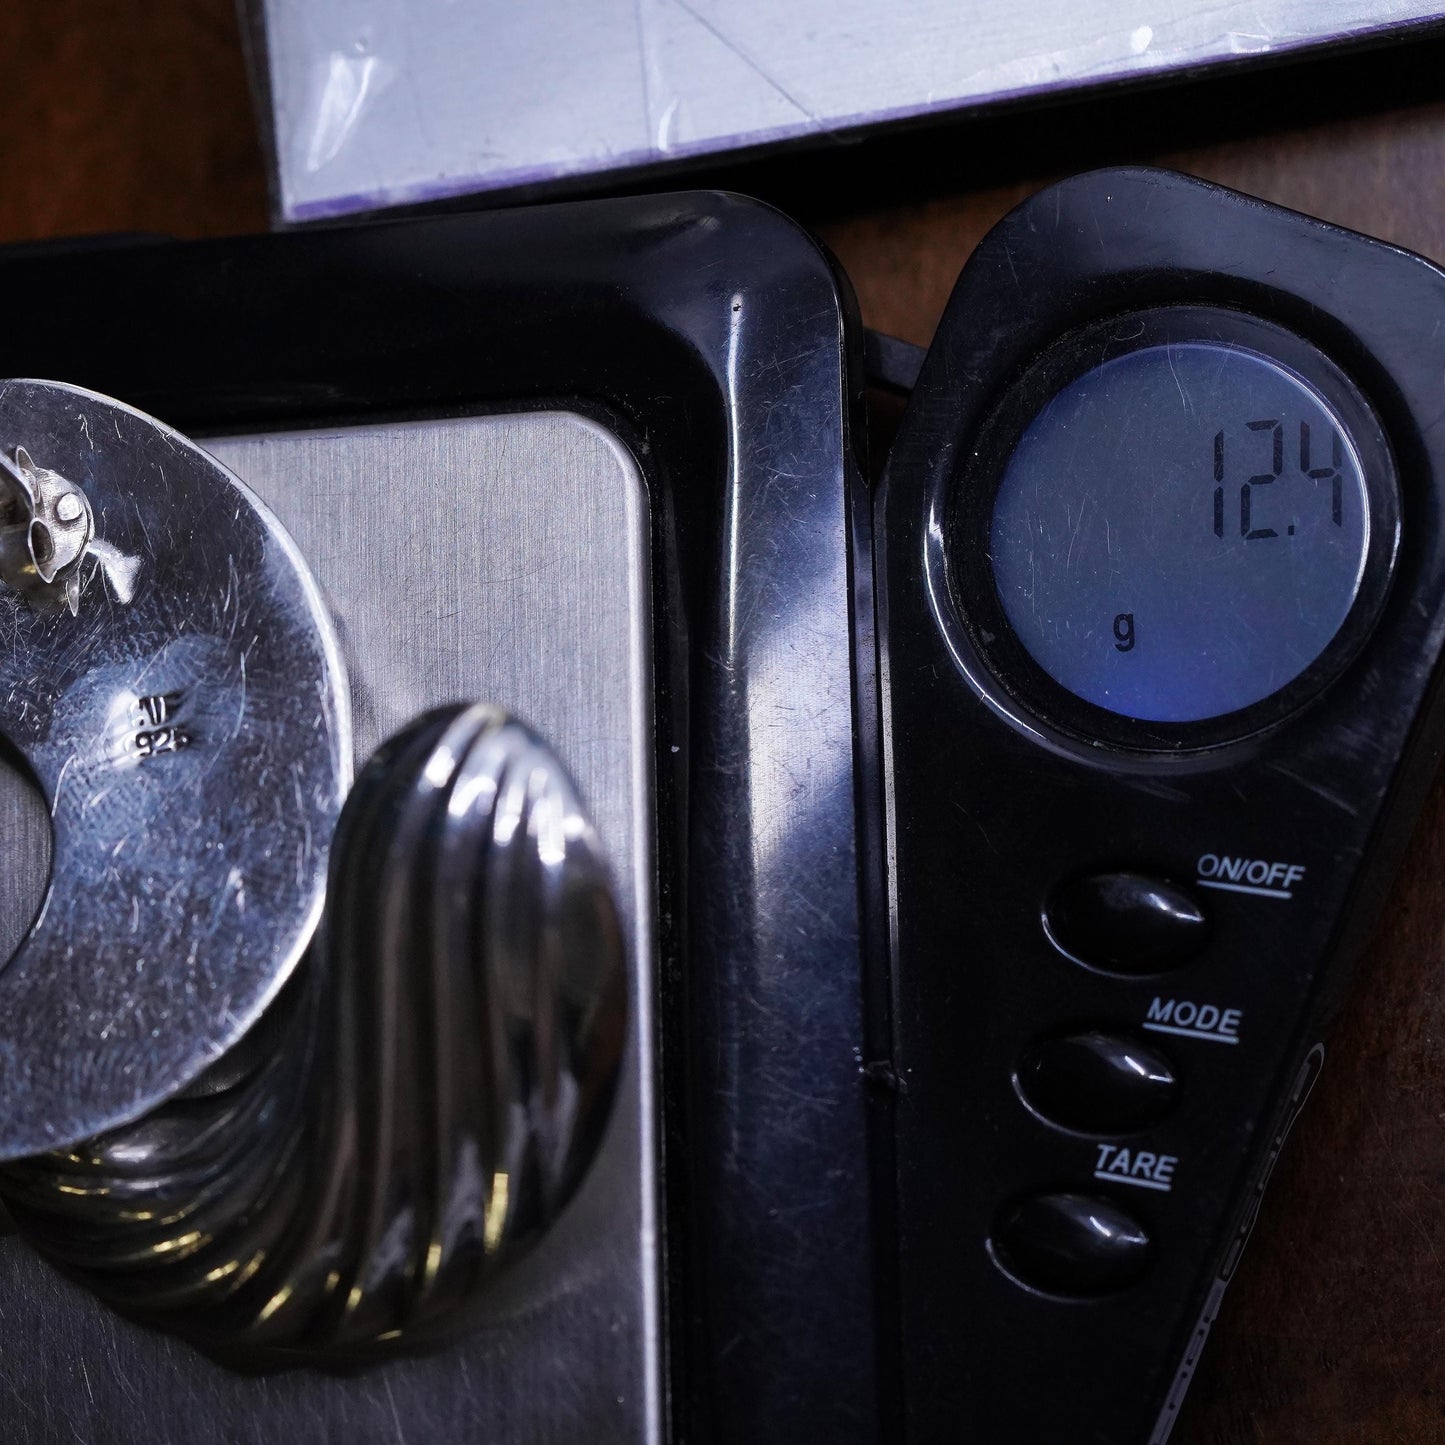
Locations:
(380, 103)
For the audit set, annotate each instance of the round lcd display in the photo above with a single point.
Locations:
(1181, 530)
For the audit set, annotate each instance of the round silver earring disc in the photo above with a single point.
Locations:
(185, 712)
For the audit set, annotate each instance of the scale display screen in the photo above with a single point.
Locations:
(1180, 531)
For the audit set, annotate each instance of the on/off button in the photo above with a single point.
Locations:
(1126, 922)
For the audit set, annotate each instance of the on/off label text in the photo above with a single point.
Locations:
(1261, 877)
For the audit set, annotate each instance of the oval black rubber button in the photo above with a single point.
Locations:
(1098, 1083)
(1074, 1244)
(1127, 922)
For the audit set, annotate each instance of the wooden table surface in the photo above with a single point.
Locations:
(119, 117)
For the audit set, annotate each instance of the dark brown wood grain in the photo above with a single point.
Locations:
(123, 117)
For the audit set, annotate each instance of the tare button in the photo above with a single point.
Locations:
(1070, 1244)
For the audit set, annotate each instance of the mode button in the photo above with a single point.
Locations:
(1097, 1082)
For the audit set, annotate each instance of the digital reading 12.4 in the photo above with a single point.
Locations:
(1180, 531)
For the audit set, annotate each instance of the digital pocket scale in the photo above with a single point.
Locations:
(990, 851)
(1160, 575)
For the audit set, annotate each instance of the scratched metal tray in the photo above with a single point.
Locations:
(508, 523)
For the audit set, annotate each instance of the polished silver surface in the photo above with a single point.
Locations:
(179, 699)
(46, 527)
(516, 570)
(412, 1115)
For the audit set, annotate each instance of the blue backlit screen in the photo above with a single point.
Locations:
(1180, 531)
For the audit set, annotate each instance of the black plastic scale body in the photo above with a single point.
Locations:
(1116, 941)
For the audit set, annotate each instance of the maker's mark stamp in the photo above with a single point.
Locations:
(158, 730)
